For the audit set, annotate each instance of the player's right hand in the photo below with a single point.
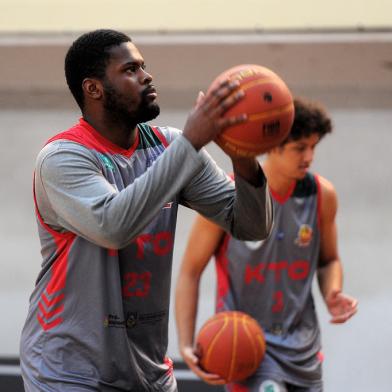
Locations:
(206, 121)
(192, 361)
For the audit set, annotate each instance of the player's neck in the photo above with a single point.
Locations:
(114, 131)
(277, 181)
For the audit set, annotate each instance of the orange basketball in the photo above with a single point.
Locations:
(269, 105)
(231, 344)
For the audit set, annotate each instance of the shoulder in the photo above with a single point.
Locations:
(63, 154)
(70, 140)
(63, 147)
(326, 187)
(329, 199)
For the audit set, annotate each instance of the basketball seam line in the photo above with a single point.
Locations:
(216, 337)
(234, 349)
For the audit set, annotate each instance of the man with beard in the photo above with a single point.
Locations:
(106, 193)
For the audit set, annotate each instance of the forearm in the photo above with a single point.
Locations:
(330, 277)
(253, 212)
(249, 169)
(241, 209)
(187, 293)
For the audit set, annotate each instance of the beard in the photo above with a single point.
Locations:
(121, 109)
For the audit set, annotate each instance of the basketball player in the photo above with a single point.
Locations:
(271, 280)
(106, 194)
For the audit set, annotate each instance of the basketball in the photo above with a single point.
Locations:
(230, 344)
(269, 105)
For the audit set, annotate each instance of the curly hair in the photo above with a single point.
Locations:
(88, 57)
(310, 118)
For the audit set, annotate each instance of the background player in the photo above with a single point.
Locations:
(272, 279)
(106, 194)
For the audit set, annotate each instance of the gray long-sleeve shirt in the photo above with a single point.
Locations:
(98, 315)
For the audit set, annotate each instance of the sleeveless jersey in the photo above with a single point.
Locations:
(98, 315)
(271, 280)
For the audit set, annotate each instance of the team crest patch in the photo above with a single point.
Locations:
(269, 386)
(304, 235)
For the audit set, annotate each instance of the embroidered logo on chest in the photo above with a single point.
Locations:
(304, 235)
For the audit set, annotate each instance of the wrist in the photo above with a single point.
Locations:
(197, 146)
(332, 293)
(250, 170)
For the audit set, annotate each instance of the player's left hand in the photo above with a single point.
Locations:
(341, 306)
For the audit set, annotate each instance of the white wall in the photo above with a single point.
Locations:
(175, 15)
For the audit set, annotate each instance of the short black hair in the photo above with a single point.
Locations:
(310, 118)
(88, 57)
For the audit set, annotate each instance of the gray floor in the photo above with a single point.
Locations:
(357, 159)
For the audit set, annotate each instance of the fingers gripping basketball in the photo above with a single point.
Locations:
(269, 107)
(222, 96)
(231, 344)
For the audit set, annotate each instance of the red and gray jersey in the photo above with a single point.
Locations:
(272, 280)
(98, 316)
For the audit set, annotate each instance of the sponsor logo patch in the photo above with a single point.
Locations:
(134, 319)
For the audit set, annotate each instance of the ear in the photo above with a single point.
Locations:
(92, 88)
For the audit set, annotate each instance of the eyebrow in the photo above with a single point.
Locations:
(133, 62)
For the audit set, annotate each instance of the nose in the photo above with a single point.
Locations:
(309, 154)
(145, 77)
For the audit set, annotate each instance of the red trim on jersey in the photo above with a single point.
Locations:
(160, 136)
(282, 199)
(237, 388)
(51, 297)
(319, 200)
(46, 326)
(84, 134)
(50, 313)
(221, 265)
(51, 303)
(112, 252)
(320, 356)
(169, 363)
(59, 267)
